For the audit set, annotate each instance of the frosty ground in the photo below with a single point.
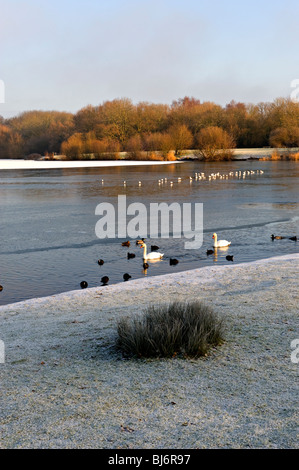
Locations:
(63, 385)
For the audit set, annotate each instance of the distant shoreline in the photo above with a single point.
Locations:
(239, 154)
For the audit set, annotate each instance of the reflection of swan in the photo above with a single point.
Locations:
(151, 256)
(221, 243)
(145, 268)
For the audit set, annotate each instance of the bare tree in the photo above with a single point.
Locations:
(213, 143)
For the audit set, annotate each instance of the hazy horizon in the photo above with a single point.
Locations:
(65, 55)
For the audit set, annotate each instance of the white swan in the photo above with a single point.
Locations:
(154, 255)
(221, 243)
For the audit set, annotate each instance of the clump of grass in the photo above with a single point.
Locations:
(187, 329)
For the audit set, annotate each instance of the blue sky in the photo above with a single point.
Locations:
(66, 54)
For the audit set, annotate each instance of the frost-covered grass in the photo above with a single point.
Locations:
(187, 329)
(63, 385)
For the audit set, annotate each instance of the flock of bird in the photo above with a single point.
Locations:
(213, 176)
(154, 255)
(202, 176)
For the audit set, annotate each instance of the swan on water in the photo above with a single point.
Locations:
(220, 243)
(154, 255)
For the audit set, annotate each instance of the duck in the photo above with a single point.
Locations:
(220, 243)
(126, 243)
(83, 284)
(145, 265)
(277, 237)
(154, 248)
(139, 242)
(1, 288)
(173, 261)
(210, 252)
(101, 262)
(105, 280)
(151, 256)
(295, 239)
(230, 257)
(126, 277)
(131, 255)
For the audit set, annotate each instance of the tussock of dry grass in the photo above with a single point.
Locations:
(185, 329)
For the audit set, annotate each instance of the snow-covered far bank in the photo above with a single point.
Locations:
(54, 164)
(63, 385)
(238, 154)
(261, 152)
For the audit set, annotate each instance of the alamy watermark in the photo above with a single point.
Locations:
(162, 220)
(295, 93)
(2, 91)
(2, 352)
(295, 352)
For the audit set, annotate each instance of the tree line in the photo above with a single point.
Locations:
(121, 126)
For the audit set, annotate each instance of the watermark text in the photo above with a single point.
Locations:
(295, 352)
(295, 93)
(161, 220)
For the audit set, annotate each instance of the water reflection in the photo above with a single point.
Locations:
(48, 241)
